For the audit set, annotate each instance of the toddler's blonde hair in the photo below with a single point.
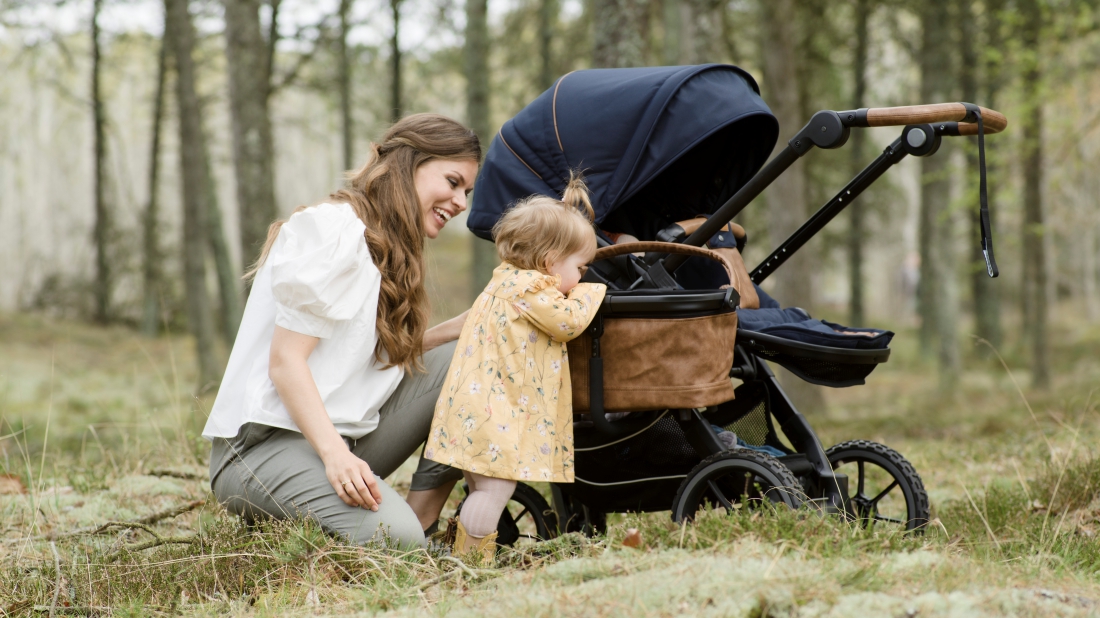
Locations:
(539, 230)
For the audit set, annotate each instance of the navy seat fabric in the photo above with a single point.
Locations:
(795, 324)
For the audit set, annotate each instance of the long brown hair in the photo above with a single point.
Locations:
(383, 194)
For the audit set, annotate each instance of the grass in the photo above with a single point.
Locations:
(98, 427)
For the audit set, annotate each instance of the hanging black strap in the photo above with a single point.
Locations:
(987, 234)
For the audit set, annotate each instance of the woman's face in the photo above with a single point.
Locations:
(442, 186)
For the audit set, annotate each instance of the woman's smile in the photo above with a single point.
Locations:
(442, 186)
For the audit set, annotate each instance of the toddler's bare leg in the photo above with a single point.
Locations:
(482, 509)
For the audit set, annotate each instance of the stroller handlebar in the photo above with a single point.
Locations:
(993, 121)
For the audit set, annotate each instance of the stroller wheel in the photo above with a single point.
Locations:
(735, 479)
(883, 487)
(527, 518)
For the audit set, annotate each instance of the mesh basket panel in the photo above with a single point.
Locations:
(661, 450)
(754, 427)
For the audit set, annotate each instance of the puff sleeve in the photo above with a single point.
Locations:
(321, 270)
(561, 316)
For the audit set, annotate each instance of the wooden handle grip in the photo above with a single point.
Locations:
(992, 120)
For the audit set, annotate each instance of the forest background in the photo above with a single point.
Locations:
(145, 146)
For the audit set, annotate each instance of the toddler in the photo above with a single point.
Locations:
(505, 411)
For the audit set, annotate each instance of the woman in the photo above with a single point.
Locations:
(334, 376)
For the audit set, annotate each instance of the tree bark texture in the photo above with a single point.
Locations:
(229, 278)
(152, 267)
(344, 84)
(937, 290)
(102, 231)
(395, 62)
(548, 17)
(253, 158)
(700, 36)
(856, 233)
(180, 31)
(787, 196)
(1035, 301)
(477, 115)
(985, 291)
(670, 10)
(619, 30)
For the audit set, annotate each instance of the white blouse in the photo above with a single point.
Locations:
(318, 280)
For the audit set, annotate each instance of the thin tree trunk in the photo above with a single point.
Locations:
(700, 36)
(477, 114)
(344, 85)
(395, 62)
(619, 30)
(1034, 254)
(249, 89)
(152, 268)
(548, 16)
(102, 231)
(672, 29)
(179, 29)
(987, 302)
(786, 197)
(938, 290)
(855, 209)
(229, 280)
(787, 208)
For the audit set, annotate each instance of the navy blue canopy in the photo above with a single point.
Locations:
(656, 145)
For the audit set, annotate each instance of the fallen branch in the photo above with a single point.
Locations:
(137, 523)
(462, 568)
(178, 474)
(156, 542)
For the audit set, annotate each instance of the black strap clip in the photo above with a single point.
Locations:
(983, 213)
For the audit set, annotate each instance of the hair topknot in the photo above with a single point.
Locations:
(539, 230)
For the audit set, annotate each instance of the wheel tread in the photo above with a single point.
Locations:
(920, 495)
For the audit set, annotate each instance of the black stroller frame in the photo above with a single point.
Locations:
(692, 461)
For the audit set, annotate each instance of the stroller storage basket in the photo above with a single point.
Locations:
(817, 364)
(655, 349)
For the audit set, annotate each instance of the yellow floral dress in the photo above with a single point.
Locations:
(505, 410)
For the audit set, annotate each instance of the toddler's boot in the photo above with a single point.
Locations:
(465, 544)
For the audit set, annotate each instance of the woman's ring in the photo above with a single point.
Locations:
(345, 483)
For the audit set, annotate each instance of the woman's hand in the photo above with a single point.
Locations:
(353, 480)
(350, 476)
(444, 332)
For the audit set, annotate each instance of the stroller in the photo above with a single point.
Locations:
(673, 154)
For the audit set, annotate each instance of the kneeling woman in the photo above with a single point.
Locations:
(333, 378)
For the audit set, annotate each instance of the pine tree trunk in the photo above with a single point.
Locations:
(987, 302)
(102, 231)
(700, 36)
(344, 79)
(249, 88)
(152, 268)
(856, 235)
(548, 17)
(938, 289)
(229, 279)
(1035, 258)
(477, 114)
(786, 197)
(619, 30)
(672, 30)
(179, 30)
(395, 62)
